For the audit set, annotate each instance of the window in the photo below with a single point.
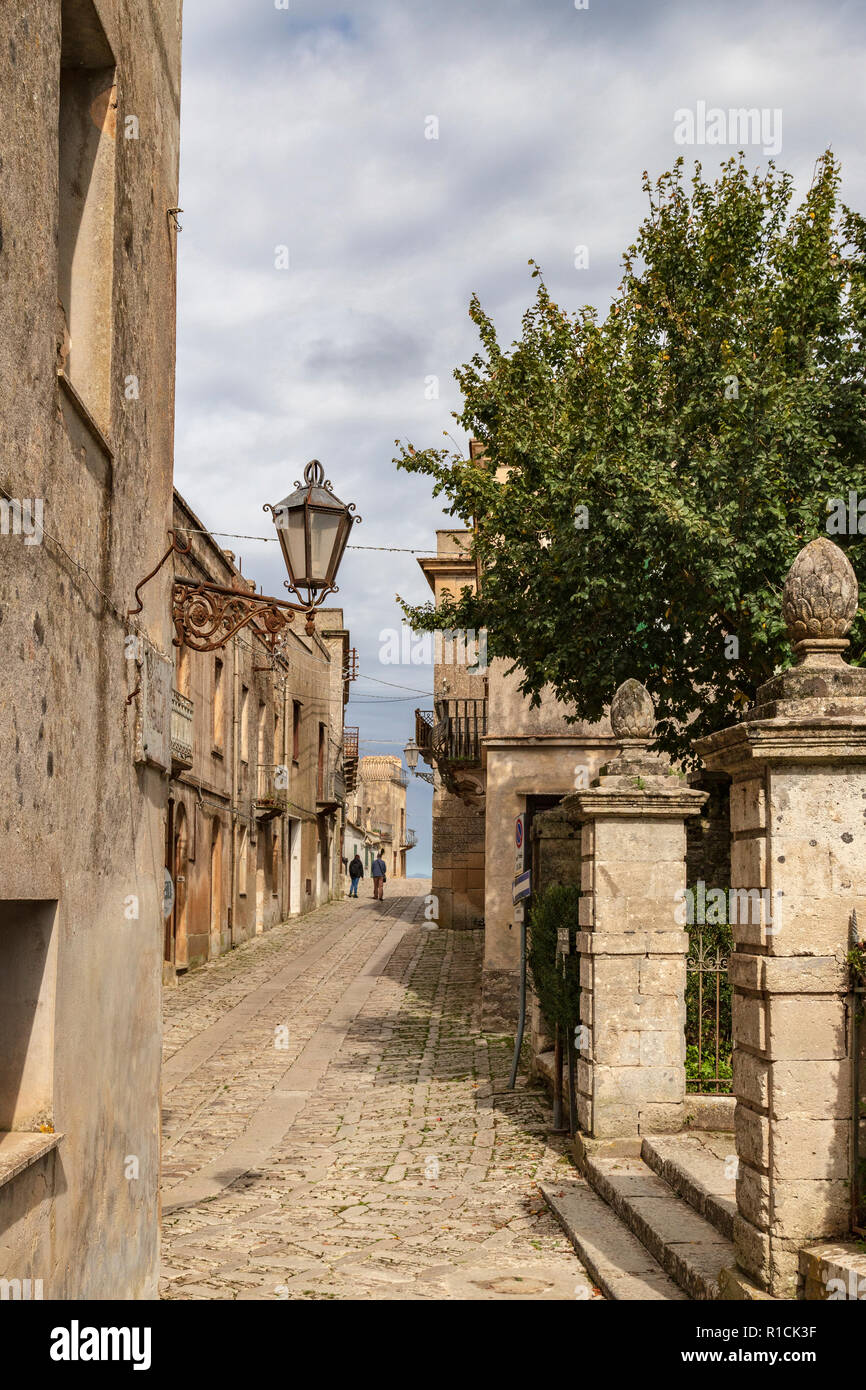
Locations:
(28, 956)
(218, 706)
(296, 730)
(86, 145)
(320, 778)
(260, 751)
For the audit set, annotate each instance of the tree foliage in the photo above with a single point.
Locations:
(704, 423)
(556, 980)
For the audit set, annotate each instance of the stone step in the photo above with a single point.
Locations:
(696, 1166)
(615, 1259)
(833, 1271)
(686, 1245)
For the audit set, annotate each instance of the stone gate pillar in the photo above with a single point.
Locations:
(631, 1069)
(798, 859)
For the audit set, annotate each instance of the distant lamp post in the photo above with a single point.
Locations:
(313, 528)
(410, 753)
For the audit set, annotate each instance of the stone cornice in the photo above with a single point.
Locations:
(654, 803)
(757, 742)
(496, 741)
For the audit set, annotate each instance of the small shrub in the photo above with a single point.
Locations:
(558, 990)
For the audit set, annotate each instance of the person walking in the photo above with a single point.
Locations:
(379, 873)
(356, 873)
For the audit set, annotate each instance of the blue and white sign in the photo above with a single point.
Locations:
(521, 887)
(519, 831)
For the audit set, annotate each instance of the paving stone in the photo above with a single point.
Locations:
(375, 1160)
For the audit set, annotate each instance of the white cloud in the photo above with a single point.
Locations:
(306, 128)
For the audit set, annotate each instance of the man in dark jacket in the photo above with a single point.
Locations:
(356, 873)
(378, 871)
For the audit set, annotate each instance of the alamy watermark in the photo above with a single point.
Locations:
(20, 1290)
(448, 647)
(702, 906)
(22, 518)
(739, 125)
(846, 516)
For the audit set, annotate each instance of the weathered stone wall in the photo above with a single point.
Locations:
(82, 822)
(237, 873)
(383, 796)
(798, 762)
(631, 1071)
(458, 861)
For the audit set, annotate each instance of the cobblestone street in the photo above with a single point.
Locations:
(336, 1126)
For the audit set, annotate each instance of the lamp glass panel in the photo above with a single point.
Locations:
(292, 536)
(324, 531)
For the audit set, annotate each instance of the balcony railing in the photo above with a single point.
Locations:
(382, 832)
(452, 732)
(408, 840)
(182, 710)
(331, 786)
(272, 791)
(350, 758)
(463, 724)
(424, 719)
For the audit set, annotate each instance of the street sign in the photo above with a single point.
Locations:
(519, 831)
(518, 912)
(521, 887)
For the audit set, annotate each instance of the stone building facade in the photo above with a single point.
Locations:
(495, 759)
(255, 811)
(91, 94)
(377, 813)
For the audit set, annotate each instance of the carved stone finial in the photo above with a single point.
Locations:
(820, 599)
(632, 714)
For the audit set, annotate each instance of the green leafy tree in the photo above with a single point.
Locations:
(649, 477)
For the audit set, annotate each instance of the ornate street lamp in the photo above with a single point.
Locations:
(410, 753)
(313, 528)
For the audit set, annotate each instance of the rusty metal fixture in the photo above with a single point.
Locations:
(207, 616)
(313, 527)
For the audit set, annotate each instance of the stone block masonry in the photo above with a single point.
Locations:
(631, 1072)
(798, 769)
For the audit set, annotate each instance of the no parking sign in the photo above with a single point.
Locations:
(519, 830)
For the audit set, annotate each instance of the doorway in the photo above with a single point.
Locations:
(180, 869)
(216, 889)
(261, 873)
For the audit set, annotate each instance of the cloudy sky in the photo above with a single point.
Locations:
(305, 137)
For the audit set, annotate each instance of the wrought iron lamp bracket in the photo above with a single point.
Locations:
(207, 616)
